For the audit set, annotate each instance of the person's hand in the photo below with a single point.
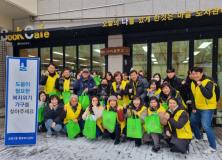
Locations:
(130, 90)
(86, 90)
(183, 82)
(128, 112)
(119, 97)
(199, 83)
(75, 120)
(53, 124)
(134, 112)
(65, 109)
(46, 73)
(194, 110)
(168, 133)
(50, 106)
(188, 102)
(87, 111)
(149, 90)
(78, 77)
(167, 116)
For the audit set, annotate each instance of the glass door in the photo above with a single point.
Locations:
(159, 58)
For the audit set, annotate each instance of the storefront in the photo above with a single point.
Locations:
(180, 43)
(154, 45)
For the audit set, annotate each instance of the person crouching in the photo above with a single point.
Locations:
(178, 130)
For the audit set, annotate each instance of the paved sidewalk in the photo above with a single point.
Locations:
(60, 148)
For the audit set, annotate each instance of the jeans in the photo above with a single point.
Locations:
(156, 139)
(49, 129)
(203, 118)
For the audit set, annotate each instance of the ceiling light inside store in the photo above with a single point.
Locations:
(31, 55)
(55, 60)
(204, 45)
(70, 62)
(59, 53)
(145, 48)
(154, 59)
(196, 52)
(185, 61)
(82, 59)
(95, 62)
(97, 50)
(155, 62)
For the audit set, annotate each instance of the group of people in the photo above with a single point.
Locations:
(179, 108)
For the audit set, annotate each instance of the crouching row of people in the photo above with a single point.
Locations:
(173, 121)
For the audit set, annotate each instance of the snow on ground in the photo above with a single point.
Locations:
(61, 148)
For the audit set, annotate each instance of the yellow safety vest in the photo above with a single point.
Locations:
(50, 84)
(185, 132)
(202, 102)
(70, 114)
(66, 85)
(158, 91)
(125, 101)
(160, 109)
(139, 113)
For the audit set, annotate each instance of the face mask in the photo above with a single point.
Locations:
(104, 85)
(52, 74)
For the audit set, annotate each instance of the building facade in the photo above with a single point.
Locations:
(179, 34)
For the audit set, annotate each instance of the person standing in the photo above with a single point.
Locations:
(48, 80)
(204, 105)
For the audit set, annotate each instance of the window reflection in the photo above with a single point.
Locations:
(45, 58)
(29, 52)
(140, 57)
(180, 57)
(159, 58)
(203, 55)
(70, 56)
(84, 57)
(98, 61)
(57, 53)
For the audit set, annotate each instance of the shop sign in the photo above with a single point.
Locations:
(127, 21)
(115, 51)
(22, 35)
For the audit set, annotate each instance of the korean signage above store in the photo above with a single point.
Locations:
(127, 21)
(115, 51)
(25, 34)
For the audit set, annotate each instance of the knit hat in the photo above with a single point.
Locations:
(112, 98)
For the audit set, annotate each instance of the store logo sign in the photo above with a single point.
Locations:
(19, 36)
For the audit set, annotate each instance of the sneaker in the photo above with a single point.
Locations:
(195, 140)
(209, 150)
(155, 149)
(99, 138)
(138, 143)
(205, 137)
(117, 141)
(48, 135)
(122, 138)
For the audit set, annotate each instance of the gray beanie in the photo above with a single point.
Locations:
(112, 98)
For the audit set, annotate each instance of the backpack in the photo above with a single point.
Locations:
(217, 91)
